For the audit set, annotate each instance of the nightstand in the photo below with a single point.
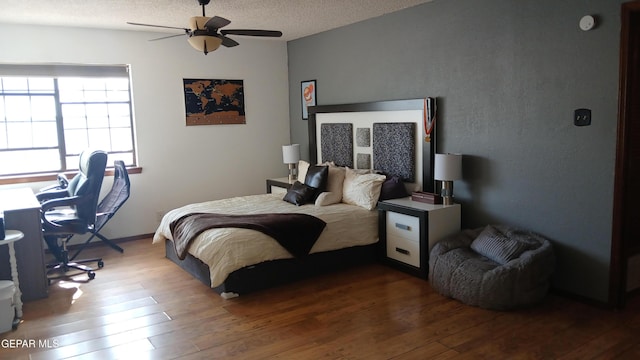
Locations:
(408, 230)
(279, 185)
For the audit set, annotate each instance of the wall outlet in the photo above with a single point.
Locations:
(582, 117)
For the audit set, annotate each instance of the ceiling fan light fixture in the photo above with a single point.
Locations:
(200, 37)
(205, 43)
(197, 22)
(203, 33)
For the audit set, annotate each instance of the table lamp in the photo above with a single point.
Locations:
(291, 156)
(447, 168)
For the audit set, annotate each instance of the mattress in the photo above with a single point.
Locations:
(228, 249)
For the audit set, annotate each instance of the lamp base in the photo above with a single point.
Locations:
(447, 192)
(293, 173)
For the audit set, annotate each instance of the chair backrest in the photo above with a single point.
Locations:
(117, 196)
(87, 184)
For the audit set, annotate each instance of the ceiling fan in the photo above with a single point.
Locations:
(203, 34)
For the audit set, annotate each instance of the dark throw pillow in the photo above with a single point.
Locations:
(299, 194)
(393, 188)
(317, 176)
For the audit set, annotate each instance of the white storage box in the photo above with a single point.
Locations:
(7, 307)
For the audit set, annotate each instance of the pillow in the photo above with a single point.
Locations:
(361, 189)
(393, 188)
(303, 166)
(317, 176)
(327, 198)
(500, 245)
(299, 194)
(333, 193)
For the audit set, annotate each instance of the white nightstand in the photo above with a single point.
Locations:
(279, 185)
(408, 230)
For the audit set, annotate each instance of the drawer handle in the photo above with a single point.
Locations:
(402, 251)
(403, 226)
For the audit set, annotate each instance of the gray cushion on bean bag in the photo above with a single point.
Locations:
(502, 244)
(457, 271)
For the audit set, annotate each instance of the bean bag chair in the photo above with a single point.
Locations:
(496, 267)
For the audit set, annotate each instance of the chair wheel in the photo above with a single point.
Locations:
(92, 275)
(100, 264)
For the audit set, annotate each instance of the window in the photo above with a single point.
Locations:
(46, 121)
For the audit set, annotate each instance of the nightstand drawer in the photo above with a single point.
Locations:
(401, 249)
(404, 226)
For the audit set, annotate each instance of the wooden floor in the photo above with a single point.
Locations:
(142, 306)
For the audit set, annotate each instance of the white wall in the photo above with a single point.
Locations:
(180, 164)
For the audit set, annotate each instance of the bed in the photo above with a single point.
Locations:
(397, 137)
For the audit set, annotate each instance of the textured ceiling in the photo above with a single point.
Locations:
(295, 18)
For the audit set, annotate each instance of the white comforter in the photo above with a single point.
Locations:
(229, 249)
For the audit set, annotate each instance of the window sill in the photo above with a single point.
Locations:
(7, 180)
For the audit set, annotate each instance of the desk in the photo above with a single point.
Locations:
(22, 212)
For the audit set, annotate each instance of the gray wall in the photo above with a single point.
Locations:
(508, 75)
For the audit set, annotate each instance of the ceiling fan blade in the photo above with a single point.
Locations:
(248, 32)
(228, 42)
(166, 37)
(160, 26)
(216, 22)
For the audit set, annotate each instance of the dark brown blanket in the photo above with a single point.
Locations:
(295, 232)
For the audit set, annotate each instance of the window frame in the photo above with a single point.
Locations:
(55, 72)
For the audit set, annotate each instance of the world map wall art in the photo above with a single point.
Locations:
(214, 101)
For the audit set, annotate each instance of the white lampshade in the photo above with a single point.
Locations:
(291, 153)
(448, 167)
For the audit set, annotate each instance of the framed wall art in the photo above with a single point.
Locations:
(308, 91)
(214, 101)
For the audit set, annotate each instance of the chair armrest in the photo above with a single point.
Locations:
(60, 202)
(57, 203)
(52, 194)
(49, 188)
(63, 183)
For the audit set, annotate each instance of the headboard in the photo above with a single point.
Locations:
(397, 137)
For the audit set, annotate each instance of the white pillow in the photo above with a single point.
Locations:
(335, 182)
(303, 166)
(327, 198)
(362, 189)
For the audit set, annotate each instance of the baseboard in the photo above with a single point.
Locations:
(582, 299)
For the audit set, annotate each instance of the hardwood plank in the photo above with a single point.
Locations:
(144, 306)
(131, 350)
(607, 345)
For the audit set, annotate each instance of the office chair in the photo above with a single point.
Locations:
(73, 210)
(108, 206)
